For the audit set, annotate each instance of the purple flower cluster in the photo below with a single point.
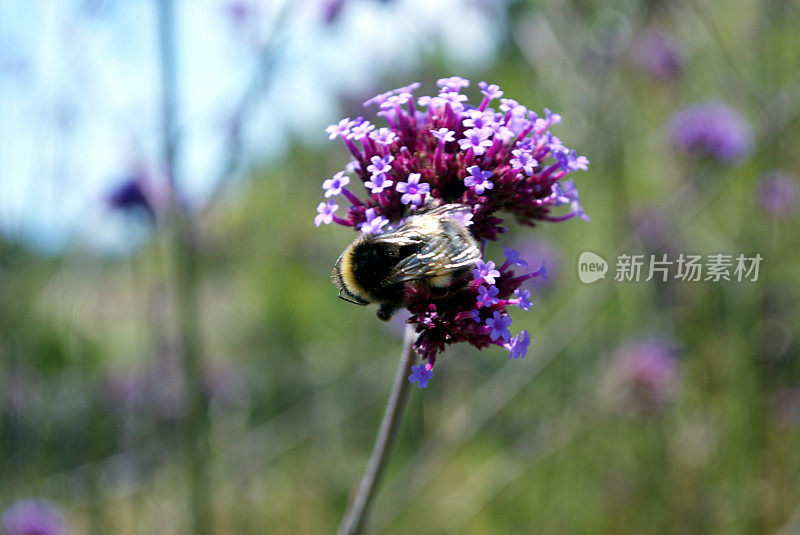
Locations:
(712, 129)
(443, 148)
(32, 517)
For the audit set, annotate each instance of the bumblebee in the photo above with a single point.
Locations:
(433, 248)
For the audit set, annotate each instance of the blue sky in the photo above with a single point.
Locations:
(79, 93)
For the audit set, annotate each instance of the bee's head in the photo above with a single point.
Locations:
(343, 277)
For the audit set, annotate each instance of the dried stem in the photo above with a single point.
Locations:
(359, 507)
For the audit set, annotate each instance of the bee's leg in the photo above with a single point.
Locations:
(387, 310)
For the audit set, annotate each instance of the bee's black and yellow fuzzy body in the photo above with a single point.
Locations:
(431, 248)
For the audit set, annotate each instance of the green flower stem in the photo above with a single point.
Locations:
(359, 507)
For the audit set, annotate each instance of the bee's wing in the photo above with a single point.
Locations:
(443, 209)
(441, 253)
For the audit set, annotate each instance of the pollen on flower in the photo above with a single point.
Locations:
(492, 154)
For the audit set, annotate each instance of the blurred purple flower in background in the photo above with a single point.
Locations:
(711, 129)
(654, 228)
(143, 190)
(331, 9)
(33, 517)
(240, 11)
(659, 55)
(649, 373)
(785, 406)
(225, 384)
(158, 389)
(16, 387)
(120, 392)
(778, 193)
(129, 196)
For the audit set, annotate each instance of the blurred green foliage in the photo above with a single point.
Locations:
(297, 378)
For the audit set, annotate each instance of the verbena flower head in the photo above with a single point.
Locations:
(32, 517)
(712, 129)
(495, 156)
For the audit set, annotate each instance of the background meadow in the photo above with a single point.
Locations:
(173, 356)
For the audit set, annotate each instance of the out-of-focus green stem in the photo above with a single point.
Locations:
(359, 507)
(185, 283)
(195, 427)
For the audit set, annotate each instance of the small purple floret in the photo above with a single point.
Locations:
(523, 300)
(412, 190)
(488, 296)
(485, 271)
(499, 324)
(490, 91)
(420, 375)
(334, 186)
(476, 139)
(383, 136)
(374, 223)
(444, 135)
(378, 183)
(342, 128)
(513, 258)
(518, 346)
(380, 165)
(523, 160)
(325, 215)
(453, 83)
(478, 180)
